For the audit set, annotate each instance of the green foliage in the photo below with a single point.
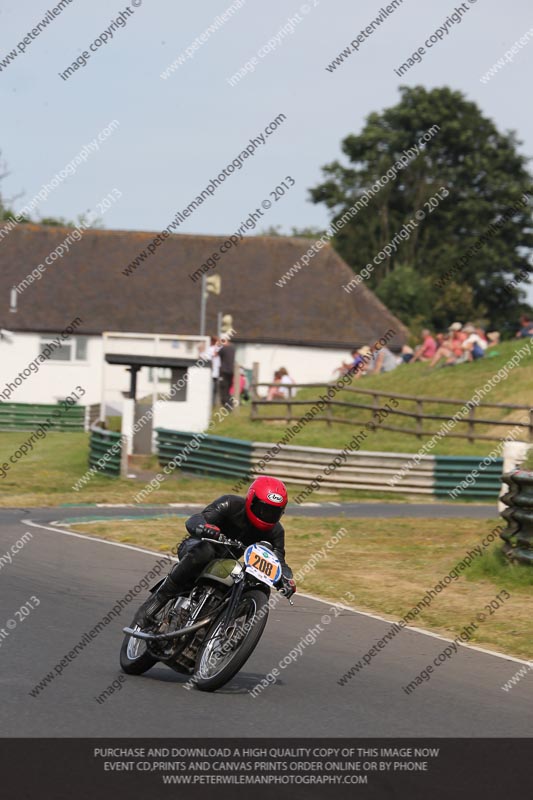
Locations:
(528, 463)
(407, 294)
(493, 565)
(484, 174)
(309, 232)
(55, 222)
(272, 230)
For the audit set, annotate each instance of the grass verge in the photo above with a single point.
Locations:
(45, 477)
(389, 564)
(459, 383)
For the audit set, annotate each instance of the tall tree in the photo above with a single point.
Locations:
(486, 178)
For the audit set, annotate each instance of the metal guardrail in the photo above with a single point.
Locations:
(433, 475)
(451, 471)
(204, 455)
(359, 470)
(101, 443)
(27, 416)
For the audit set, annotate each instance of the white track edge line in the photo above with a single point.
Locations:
(94, 539)
(301, 594)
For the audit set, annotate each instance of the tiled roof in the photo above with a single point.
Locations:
(160, 297)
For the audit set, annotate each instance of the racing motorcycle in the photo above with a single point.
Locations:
(210, 631)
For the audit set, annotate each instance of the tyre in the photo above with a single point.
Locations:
(134, 657)
(220, 657)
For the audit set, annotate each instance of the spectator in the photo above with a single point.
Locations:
(481, 332)
(364, 361)
(276, 391)
(213, 356)
(243, 386)
(426, 350)
(493, 339)
(407, 354)
(383, 360)
(526, 327)
(474, 345)
(227, 365)
(452, 346)
(345, 368)
(287, 382)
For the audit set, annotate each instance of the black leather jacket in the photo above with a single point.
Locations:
(228, 512)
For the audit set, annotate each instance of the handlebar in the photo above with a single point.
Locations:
(224, 540)
(236, 543)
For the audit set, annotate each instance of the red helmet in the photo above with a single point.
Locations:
(265, 502)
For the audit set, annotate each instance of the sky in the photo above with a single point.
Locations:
(175, 134)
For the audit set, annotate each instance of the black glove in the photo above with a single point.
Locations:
(288, 586)
(207, 530)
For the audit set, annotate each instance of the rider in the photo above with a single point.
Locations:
(250, 519)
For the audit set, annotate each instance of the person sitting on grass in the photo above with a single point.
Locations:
(493, 340)
(426, 350)
(353, 366)
(526, 327)
(407, 354)
(474, 345)
(383, 359)
(452, 347)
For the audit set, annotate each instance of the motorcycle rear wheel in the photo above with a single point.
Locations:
(233, 652)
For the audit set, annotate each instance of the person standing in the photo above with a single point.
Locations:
(227, 366)
(212, 354)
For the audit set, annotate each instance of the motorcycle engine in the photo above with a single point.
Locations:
(175, 617)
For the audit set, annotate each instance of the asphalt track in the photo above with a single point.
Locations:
(351, 510)
(77, 581)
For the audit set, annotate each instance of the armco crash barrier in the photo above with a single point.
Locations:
(105, 451)
(360, 470)
(27, 417)
(204, 455)
(451, 471)
(433, 475)
(518, 536)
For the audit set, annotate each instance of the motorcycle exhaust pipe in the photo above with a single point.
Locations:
(160, 636)
(176, 634)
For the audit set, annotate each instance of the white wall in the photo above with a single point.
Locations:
(117, 378)
(304, 364)
(194, 413)
(53, 380)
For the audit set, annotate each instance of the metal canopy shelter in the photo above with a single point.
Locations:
(135, 362)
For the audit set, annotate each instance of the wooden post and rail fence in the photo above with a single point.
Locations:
(291, 409)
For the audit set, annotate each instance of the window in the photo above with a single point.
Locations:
(81, 348)
(72, 349)
(164, 374)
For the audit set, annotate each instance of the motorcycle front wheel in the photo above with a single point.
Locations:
(134, 656)
(224, 652)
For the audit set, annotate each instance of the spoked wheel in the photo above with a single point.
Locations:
(223, 653)
(134, 656)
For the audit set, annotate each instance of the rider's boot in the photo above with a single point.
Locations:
(181, 578)
(156, 601)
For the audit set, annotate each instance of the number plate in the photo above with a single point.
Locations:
(262, 564)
